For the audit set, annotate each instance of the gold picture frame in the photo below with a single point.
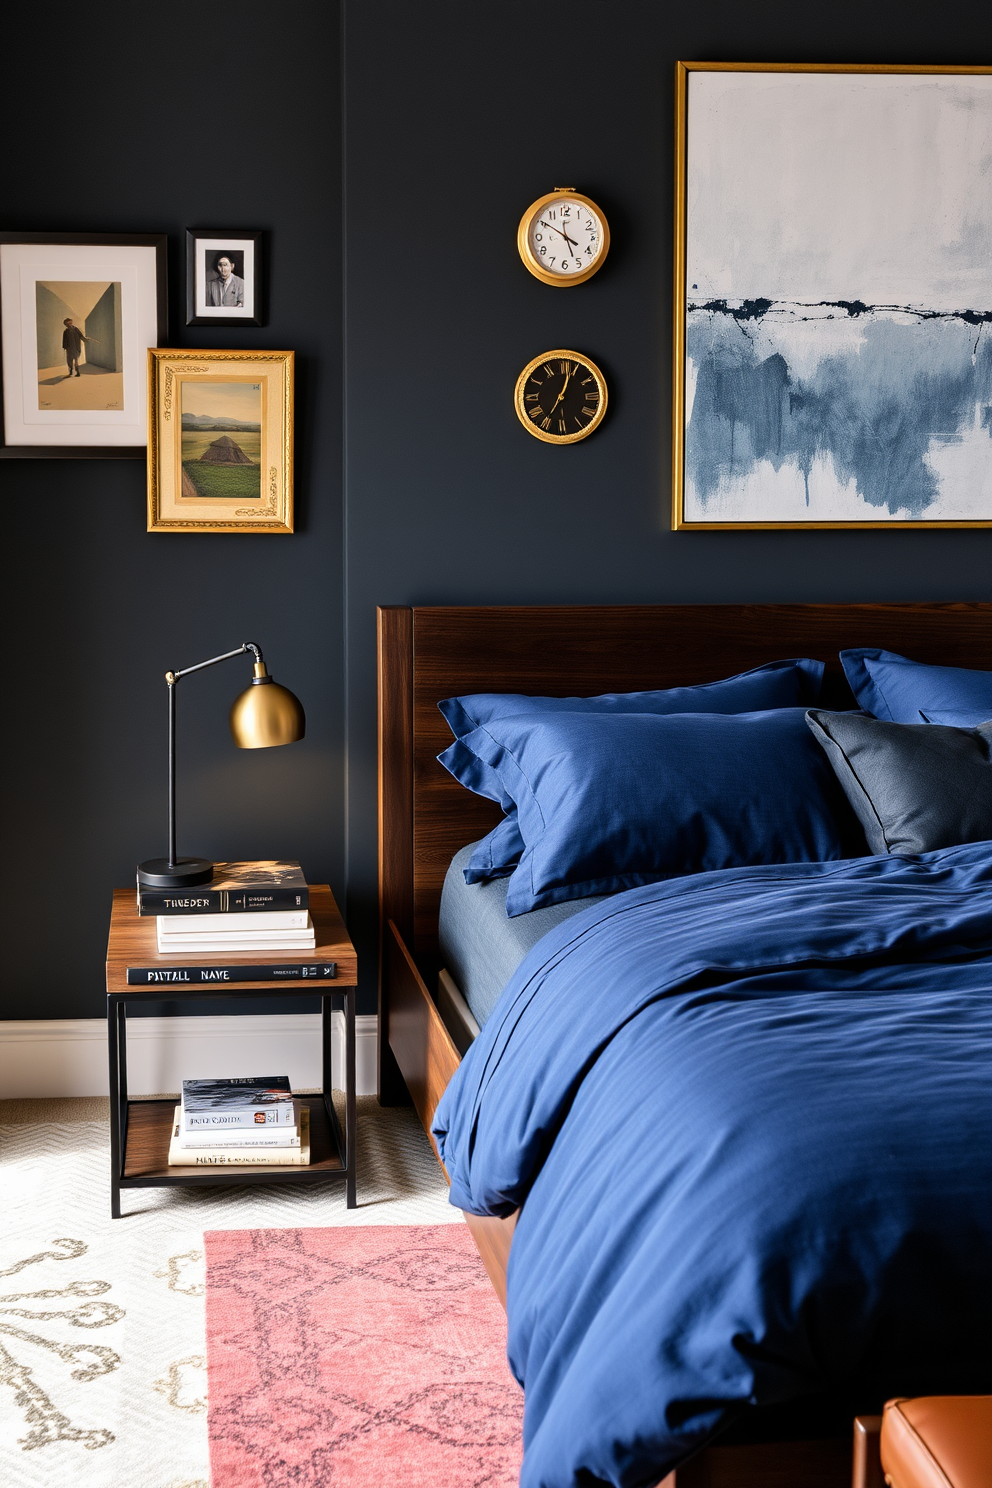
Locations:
(220, 441)
(836, 115)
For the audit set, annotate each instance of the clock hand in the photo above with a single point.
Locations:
(551, 228)
(562, 393)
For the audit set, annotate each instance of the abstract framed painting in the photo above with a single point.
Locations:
(833, 297)
(220, 441)
(78, 312)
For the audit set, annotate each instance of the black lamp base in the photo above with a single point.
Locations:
(184, 873)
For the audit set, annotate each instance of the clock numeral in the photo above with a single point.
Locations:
(565, 367)
(552, 214)
(531, 397)
(589, 250)
(578, 421)
(592, 397)
(546, 423)
(561, 426)
(537, 382)
(588, 412)
(551, 260)
(539, 237)
(547, 368)
(585, 380)
(542, 251)
(535, 412)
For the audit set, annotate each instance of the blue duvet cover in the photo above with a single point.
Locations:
(749, 1117)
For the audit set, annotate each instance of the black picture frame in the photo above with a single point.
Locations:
(158, 241)
(238, 242)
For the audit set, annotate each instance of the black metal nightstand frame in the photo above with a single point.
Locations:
(332, 1152)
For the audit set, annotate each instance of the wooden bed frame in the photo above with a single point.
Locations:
(425, 816)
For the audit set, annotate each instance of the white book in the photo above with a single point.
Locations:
(288, 940)
(218, 1157)
(250, 1136)
(234, 924)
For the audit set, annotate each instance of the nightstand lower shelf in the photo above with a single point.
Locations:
(146, 1150)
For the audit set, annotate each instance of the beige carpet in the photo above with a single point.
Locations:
(101, 1321)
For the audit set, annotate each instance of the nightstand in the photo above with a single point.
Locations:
(140, 1129)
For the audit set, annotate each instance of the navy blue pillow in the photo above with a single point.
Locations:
(903, 691)
(611, 801)
(776, 684)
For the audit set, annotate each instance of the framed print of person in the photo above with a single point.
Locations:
(223, 277)
(78, 313)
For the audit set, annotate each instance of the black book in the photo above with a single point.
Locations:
(269, 883)
(202, 976)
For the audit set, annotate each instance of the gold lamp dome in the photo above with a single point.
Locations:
(266, 714)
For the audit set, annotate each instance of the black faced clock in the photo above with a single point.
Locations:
(560, 397)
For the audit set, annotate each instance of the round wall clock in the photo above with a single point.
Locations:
(563, 237)
(560, 397)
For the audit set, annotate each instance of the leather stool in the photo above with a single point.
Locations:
(938, 1441)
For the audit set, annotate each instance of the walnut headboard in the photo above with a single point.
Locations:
(428, 653)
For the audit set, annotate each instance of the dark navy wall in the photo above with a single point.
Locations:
(454, 112)
(457, 117)
(190, 130)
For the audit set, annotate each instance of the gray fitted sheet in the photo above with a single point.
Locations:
(480, 946)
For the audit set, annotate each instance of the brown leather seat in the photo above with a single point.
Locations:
(938, 1441)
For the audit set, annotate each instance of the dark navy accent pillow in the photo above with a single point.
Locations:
(611, 801)
(898, 690)
(777, 684)
(914, 787)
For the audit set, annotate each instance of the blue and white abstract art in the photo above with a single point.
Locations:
(838, 298)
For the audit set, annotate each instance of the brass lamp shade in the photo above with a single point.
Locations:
(266, 714)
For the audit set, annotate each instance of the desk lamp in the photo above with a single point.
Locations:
(265, 714)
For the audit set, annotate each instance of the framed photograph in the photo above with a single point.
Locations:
(223, 277)
(78, 313)
(220, 441)
(833, 297)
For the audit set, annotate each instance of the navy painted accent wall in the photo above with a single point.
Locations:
(191, 133)
(453, 112)
(457, 117)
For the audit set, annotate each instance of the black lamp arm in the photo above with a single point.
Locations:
(172, 678)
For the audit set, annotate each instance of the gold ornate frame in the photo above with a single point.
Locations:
(169, 510)
(533, 264)
(524, 417)
(682, 71)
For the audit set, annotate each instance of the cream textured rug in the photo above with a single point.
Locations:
(102, 1371)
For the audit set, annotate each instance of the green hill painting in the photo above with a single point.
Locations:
(222, 439)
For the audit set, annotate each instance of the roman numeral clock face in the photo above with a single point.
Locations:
(560, 397)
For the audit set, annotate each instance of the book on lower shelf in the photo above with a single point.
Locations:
(251, 1101)
(244, 1136)
(181, 1156)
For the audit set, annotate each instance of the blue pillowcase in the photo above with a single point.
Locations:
(903, 691)
(610, 801)
(777, 684)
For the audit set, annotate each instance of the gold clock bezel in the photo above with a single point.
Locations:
(528, 423)
(533, 263)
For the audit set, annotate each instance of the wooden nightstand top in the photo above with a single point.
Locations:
(133, 942)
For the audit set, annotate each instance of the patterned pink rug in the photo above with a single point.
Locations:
(368, 1357)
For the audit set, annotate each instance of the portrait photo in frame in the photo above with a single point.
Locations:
(833, 296)
(220, 441)
(223, 277)
(78, 313)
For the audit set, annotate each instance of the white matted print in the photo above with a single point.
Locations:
(78, 320)
(834, 351)
(223, 273)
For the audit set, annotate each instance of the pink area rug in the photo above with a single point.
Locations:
(368, 1357)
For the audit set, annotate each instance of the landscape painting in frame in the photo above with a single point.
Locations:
(833, 297)
(220, 441)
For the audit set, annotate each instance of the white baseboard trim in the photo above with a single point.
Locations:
(48, 1057)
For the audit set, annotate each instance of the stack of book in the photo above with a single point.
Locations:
(261, 906)
(249, 1122)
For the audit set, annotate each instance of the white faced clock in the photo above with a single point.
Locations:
(563, 237)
